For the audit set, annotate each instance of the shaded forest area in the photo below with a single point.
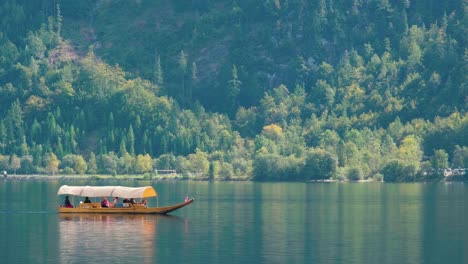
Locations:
(262, 90)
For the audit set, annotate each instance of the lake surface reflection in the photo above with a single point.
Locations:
(243, 222)
(114, 238)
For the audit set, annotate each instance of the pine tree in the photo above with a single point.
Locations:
(138, 124)
(144, 142)
(59, 23)
(14, 126)
(92, 164)
(59, 148)
(35, 134)
(37, 154)
(3, 137)
(24, 148)
(194, 81)
(123, 148)
(111, 139)
(158, 72)
(111, 120)
(234, 87)
(72, 139)
(183, 69)
(51, 131)
(131, 140)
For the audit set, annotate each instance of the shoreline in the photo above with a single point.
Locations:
(103, 177)
(174, 177)
(87, 177)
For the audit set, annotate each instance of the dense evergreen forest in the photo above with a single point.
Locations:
(215, 89)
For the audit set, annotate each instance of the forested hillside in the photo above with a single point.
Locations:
(263, 90)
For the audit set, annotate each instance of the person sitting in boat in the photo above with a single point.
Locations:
(132, 201)
(105, 203)
(86, 200)
(126, 203)
(143, 202)
(67, 202)
(115, 202)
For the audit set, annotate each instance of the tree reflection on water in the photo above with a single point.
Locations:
(109, 237)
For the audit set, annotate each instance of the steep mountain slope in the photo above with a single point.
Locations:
(269, 42)
(273, 89)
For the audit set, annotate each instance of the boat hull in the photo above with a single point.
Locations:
(126, 210)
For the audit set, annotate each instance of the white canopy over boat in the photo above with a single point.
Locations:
(108, 191)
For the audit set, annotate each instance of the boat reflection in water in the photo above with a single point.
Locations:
(117, 238)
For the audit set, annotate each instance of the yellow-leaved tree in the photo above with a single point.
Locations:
(143, 163)
(52, 163)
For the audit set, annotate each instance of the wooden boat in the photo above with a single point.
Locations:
(115, 191)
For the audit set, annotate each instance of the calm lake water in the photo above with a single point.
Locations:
(243, 222)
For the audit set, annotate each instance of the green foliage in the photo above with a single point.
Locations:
(397, 171)
(331, 90)
(378, 177)
(126, 163)
(355, 174)
(226, 171)
(108, 164)
(319, 165)
(246, 121)
(460, 157)
(166, 162)
(440, 159)
(80, 165)
(4, 162)
(197, 164)
(15, 163)
(234, 87)
(92, 164)
(143, 163)
(52, 163)
(27, 165)
(273, 167)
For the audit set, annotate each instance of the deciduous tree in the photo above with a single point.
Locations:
(15, 163)
(52, 163)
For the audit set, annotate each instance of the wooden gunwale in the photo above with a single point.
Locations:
(133, 209)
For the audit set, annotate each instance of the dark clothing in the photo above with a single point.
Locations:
(67, 203)
(87, 200)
